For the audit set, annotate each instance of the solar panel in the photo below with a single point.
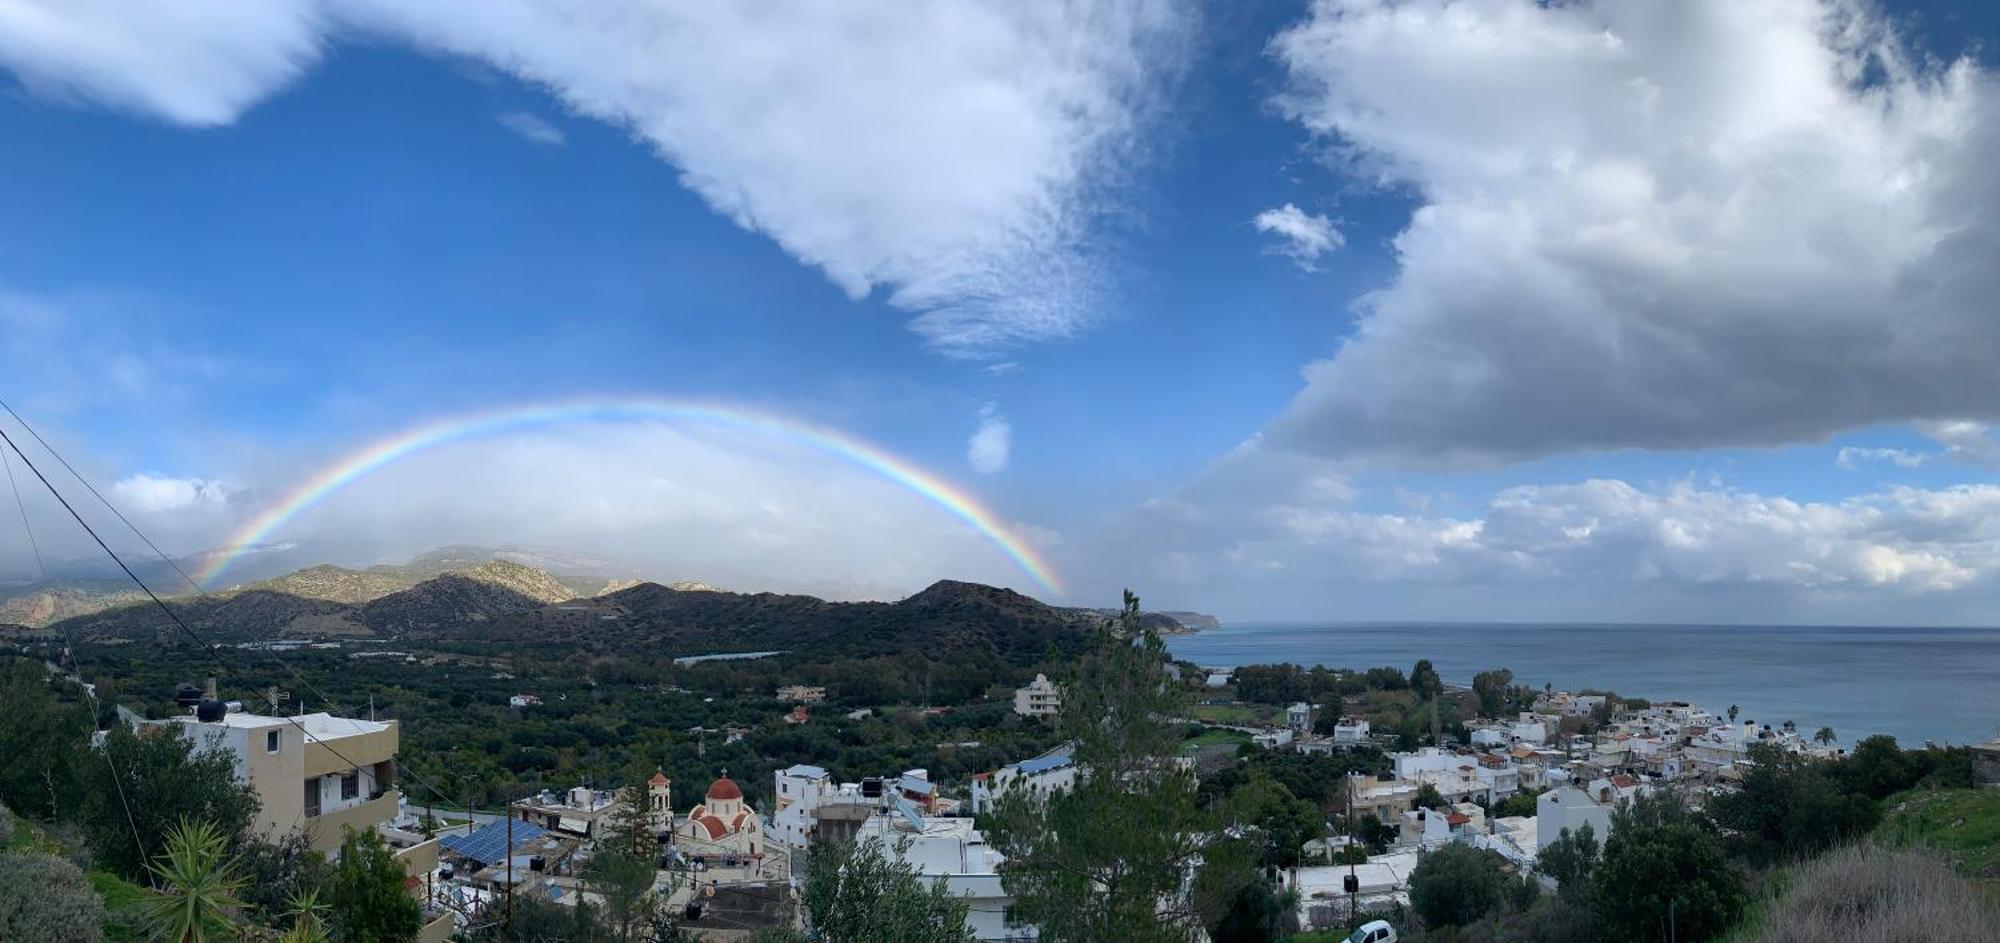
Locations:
(489, 843)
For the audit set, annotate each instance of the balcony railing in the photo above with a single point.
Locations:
(326, 829)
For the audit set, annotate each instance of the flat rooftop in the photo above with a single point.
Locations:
(318, 726)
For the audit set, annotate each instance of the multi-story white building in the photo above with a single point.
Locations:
(1040, 698)
(318, 775)
(315, 773)
(952, 853)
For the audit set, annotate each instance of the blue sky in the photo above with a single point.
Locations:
(1342, 310)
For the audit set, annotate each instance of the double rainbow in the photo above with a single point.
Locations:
(359, 463)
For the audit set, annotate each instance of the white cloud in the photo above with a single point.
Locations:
(149, 493)
(1306, 237)
(991, 444)
(534, 127)
(1714, 222)
(192, 62)
(1852, 457)
(957, 156)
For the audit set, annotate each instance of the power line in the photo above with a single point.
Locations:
(293, 670)
(85, 482)
(42, 570)
(214, 652)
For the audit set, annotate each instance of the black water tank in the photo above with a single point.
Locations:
(187, 695)
(209, 712)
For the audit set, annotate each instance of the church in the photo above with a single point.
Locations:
(721, 827)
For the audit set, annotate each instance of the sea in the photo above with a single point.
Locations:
(1916, 684)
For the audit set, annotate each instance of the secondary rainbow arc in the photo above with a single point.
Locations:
(383, 452)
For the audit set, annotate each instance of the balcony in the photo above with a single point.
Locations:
(327, 829)
(338, 754)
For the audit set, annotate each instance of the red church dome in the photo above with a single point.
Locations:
(724, 788)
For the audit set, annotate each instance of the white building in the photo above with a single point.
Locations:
(1040, 698)
(951, 852)
(1042, 775)
(1566, 807)
(1323, 901)
(1299, 717)
(1350, 732)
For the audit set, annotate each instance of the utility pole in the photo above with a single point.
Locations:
(1353, 881)
(508, 809)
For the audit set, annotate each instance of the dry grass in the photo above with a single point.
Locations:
(1868, 893)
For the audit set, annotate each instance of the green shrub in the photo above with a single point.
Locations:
(47, 899)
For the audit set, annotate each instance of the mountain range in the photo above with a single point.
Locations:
(470, 595)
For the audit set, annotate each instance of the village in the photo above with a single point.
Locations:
(726, 868)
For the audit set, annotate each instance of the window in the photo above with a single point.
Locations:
(270, 741)
(350, 784)
(312, 797)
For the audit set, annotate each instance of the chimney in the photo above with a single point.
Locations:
(211, 689)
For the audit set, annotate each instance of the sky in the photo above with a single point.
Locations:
(1337, 310)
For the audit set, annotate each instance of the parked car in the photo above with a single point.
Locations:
(1374, 931)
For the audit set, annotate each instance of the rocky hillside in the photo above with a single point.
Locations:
(459, 601)
(337, 584)
(52, 604)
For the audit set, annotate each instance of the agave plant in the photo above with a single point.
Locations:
(308, 918)
(197, 883)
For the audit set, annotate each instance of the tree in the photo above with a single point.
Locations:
(366, 894)
(1523, 804)
(43, 897)
(157, 782)
(1787, 805)
(1455, 885)
(1282, 822)
(1569, 860)
(625, 867)
(1878, 768)
(1429, 687)
(41, 738)
(858, 891)
(1495, 690)
(1663, 874)
(1109, 858)
(1824, 737)
(278, 874)
(1428, 797)
(1733, 711)
(196, 883)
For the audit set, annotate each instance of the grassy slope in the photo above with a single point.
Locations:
(1960, 825)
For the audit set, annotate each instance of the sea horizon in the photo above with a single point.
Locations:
(1916, 683)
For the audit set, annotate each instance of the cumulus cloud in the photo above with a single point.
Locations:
(534, 127)
(1718, 222)
(150, 493)
(956, 156)
(1306, 237)
(991, 444)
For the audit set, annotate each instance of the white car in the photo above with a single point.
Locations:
(1374, 931)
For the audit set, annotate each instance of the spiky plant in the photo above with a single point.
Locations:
(196, 885)
(308, 918)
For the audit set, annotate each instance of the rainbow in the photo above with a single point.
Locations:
(367, 459)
